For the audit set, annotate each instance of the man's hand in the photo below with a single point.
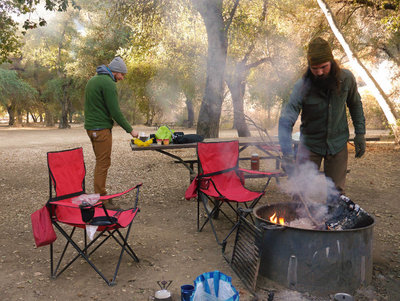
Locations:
(360, 145)
(134, 134)
(288, 164)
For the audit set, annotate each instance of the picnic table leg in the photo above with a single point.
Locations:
(189, 166)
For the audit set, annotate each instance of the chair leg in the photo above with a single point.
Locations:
(128, 247)
(244, 213)
(120, 239)
(81, 253)
(204, 200)
(54, 273)
(125, 245)
(51, 260)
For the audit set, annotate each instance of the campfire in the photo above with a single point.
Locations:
(330, 254)
(312, 245)
(340, 215)
(274, 219)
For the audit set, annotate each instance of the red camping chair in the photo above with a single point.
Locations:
(221, 181)
(67, 179)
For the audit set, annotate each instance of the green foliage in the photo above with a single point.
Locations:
(14, 90)
(101, 38)
(9, 42)
(164, 44)
(9, 38)
(139, 77)
(15, 93)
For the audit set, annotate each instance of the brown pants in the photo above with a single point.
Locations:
(102, 145)
(335, 166)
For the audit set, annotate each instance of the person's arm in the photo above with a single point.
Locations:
(288, 118)
(111, 99)
(134, 134)
(357, 116)
(355, 106)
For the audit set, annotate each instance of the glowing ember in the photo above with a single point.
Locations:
(274, 219)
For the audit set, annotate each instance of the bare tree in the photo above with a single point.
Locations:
(384, 102)
(217, 28)
(236, 81)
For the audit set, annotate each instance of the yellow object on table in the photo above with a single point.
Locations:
(139, 142)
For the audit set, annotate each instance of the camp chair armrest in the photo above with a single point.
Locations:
(249, 171)
(110, 196)
(217, 172)
(107, 197)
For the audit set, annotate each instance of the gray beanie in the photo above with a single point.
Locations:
(118, 65)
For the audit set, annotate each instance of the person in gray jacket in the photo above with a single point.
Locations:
(321, 97)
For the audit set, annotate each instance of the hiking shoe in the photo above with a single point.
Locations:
(111, 205)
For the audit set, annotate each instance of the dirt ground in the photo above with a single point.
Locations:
(164, 234)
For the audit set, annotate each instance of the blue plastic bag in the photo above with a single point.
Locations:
(214, 286)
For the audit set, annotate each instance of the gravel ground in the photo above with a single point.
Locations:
(164, 233)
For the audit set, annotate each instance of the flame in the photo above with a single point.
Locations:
(274, 219)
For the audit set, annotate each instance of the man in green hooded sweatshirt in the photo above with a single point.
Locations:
(101, 110)
(321, 96)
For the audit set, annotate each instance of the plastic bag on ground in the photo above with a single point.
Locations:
(214, 286)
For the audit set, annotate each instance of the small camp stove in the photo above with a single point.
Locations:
(163, 294)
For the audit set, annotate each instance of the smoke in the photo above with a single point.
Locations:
(313, 187)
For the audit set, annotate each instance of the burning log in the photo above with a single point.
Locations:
(347, 215)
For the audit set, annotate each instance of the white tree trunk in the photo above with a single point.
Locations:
(379, 94)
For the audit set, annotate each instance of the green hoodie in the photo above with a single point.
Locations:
(101, 102)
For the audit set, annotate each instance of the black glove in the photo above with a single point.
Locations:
(360, 145)
(288, 164)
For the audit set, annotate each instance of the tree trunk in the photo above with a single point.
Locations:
(65, 104)
(49, 117)
(64, 116)
(383, 100)
(190, 110)
(34, 117)
(70, 111)
(236, 81)
(19, 117)
(210, 110)
(11, 115)
(237, 86)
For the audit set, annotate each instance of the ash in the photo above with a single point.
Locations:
(302, 223)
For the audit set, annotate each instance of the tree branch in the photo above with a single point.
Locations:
(257, 63)
(231, 15)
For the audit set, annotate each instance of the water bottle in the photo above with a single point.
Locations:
(255, 162)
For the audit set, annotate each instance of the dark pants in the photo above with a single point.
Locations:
(335, 166)
(102, 145)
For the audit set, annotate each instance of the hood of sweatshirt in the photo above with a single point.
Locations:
(103, 69)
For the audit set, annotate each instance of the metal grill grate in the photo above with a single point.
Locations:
(246, 253)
